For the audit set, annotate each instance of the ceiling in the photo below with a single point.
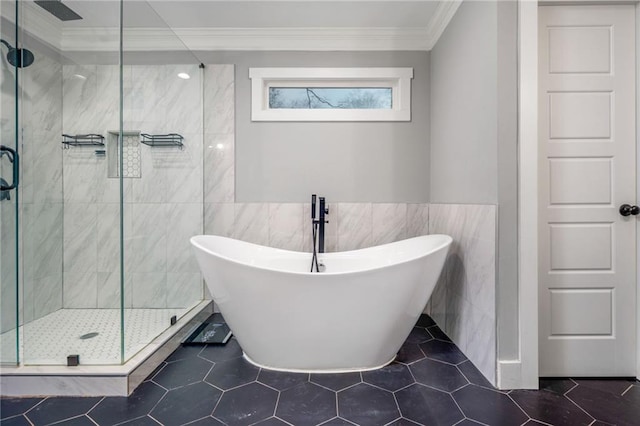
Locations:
(246, 24)
(256, 14)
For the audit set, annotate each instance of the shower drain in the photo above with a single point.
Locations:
(89, 335)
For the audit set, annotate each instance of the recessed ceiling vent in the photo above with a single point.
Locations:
(59, 10)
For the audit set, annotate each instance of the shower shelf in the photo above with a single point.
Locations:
(171, 139)
(90, 139)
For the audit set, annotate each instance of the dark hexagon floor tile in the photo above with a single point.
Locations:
(409, 352)
(231, 373)
(438, 375)
(272, 421)
(443, 351)
(77, 421)
(336, 382)
(186, 404)
(217, 353)
(113, 410)
(405, 422)
(488, 406)
(613, 386)
(364, 404)
(559, 386)
(605, 406)
(54, 409)
(469, 422)
(281, 380)
(207, 421)
(473, 375)
(438, 334)
(306, 404)
(425, 321)
(246, 405)
(337, 421)
(428, 406)
(181, 373)
(184, 352)
(550, 407)
(418, 335)
(633, 395)
(16, 421)
(390, 377)
(141, 421)
(535, 422)
(10, 407)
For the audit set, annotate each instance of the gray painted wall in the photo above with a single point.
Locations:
(474, 135)
(464, 108)
(346, 162)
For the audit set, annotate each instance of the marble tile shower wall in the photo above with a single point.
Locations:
(163, 208)
(463, 302)
(41, 189)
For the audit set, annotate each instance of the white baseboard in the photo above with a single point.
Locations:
(510, 376)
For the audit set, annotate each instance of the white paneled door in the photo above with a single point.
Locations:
(587, 289)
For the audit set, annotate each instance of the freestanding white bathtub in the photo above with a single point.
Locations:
(354, 316)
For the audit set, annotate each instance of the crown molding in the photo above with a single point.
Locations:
(440, 19)
(305, 39)
(48, 29)
(309, 39)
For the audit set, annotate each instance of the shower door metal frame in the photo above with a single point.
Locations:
(15, 172)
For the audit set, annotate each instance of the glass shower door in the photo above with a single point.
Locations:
(69, 209)
(8, 195)
(161, 157)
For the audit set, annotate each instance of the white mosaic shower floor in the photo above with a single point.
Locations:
(50, 339)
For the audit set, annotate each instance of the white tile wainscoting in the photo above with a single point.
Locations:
(463, 303)
(288, 225)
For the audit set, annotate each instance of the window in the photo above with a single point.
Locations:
(331, 94)
(330, 97)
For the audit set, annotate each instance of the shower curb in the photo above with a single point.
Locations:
(101, 380)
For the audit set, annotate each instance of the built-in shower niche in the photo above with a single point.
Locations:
(131, 157)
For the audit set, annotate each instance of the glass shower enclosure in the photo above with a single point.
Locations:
(101, 174)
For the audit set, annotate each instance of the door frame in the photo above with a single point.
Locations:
(523, 373)
(637, 188)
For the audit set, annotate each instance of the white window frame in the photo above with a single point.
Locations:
(399, 79)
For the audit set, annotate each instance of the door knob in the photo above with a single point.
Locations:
(627, 210)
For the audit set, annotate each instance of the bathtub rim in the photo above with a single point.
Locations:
(447, 242)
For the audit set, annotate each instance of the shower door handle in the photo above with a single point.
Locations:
(14, 159)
